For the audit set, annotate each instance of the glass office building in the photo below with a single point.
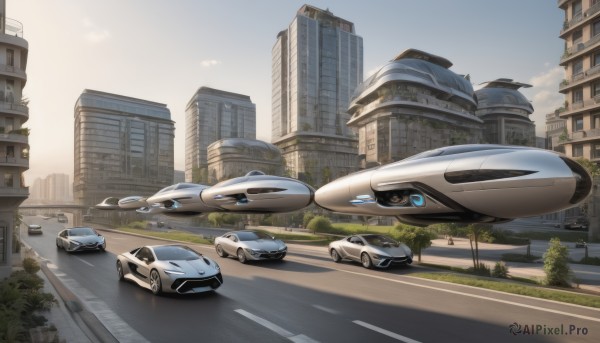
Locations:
(123, 146)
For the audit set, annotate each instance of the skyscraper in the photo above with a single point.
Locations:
(14, 142)
(211, 115)
(317, 62)
(123, 146)
(581, 86)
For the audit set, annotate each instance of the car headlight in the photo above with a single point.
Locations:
(283, 249)
(217, 266)
(75, 243)
(173, 272)
(254, 252)
(380, 257)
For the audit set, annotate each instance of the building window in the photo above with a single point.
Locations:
(577, 37)
(577, 95)
(595, 28)
(596, 58)
(595, 89)
(577, 150)
(577, 67)
(576, 8)
(8, 180)
(578, 123)
(595, 119)
(10, 57)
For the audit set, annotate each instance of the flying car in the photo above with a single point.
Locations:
(475, 183)
(259, 193)
(110, 203)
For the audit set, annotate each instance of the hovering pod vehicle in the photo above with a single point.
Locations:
(479, 183)
(253, 193)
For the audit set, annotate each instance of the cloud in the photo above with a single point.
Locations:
(544, 96)
(94, 33)
(209, 63)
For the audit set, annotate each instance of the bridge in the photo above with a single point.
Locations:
(75, 212)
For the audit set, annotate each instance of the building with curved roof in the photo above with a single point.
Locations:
(412, 104)
(233, 157)
(505, 113)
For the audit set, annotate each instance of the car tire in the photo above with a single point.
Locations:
(242, 256)
(57, 246)
(120, 271)
(155, 282)
(335, 256)
(365, 259)
(220, 251)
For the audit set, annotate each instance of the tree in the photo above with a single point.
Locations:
(216, 219)
(308, 216)
(417, 238)
(477, 232)
(319, 224)
(556, 264)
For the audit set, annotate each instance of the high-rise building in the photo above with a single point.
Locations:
(123, 146)
(556, 131)
(581, 86)
(14, 142)
(53, 189)
(414, 103)
(317, 62)
(211, 115)
(505, 113)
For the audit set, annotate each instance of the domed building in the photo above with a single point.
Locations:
(505, 113)
(233, 157)
(412, 104)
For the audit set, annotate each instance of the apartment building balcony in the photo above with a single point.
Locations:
(580, 78)
(561, 3)
(579, 49)
(14, 138)
(583, 136)
(14, 72)
(6, 191)
(14, 162)
(579, 19)
(13, 33)
(14, 108)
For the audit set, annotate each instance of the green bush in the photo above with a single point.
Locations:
(308, 216)
(320, 224)
(594, 261)
(417, 238)
(30, 265)
(500, 270)
(482, 269)
(556, 264)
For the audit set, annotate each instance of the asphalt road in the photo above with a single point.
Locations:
(305, 298)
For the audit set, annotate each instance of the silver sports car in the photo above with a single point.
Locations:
(249, 245)
(463, 183)
(80, 239)
(169, 269)
(371, 250)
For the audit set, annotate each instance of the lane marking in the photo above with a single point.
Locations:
(276, 328)
(482, 297)
(385, 332)
(84, 261)
(325, 309)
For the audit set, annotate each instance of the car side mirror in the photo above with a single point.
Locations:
(145, 259)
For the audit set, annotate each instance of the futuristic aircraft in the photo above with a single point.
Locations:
(479, 183)
(253, 193)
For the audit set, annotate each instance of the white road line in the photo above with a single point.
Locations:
(483, 297)
(276, 328)
(84, 261)
(385, 332)
(325, 309)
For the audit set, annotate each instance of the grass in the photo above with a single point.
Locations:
(173, 235)
(515, 288)
(352, 228)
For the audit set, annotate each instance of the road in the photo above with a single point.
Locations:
(306, 298)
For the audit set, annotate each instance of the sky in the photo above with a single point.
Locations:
(164, 50)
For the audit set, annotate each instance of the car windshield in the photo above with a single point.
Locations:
(175, 252)
(81, 231)
(252, 235)
(380, 241)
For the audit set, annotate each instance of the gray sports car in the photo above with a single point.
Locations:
(169, 269)
(371, 250)
(249, 245)
(80, 239)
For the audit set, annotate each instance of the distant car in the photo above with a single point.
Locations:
(248, 245)
(576, 223)
(34, 229)
(62, 218)
(169, 269)
(80, 239)
(371, 250)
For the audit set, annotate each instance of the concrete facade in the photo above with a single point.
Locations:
(14, 141)
(317, 62)
(212, 115)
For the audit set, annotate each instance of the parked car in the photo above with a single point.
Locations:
(169, 269)
(62, 218)
(248, 245)
(371, 250)
(80, 239)
(576, 223)
(34, 229)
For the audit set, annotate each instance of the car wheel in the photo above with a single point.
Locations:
(335, 256)
(241, 256)
(120, 271)
(220, 251)
(155, 283)
(57, 246)
(365, 259)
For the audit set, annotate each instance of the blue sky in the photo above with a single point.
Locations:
(163, 51)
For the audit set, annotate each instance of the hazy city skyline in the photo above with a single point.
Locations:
(162, 52)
